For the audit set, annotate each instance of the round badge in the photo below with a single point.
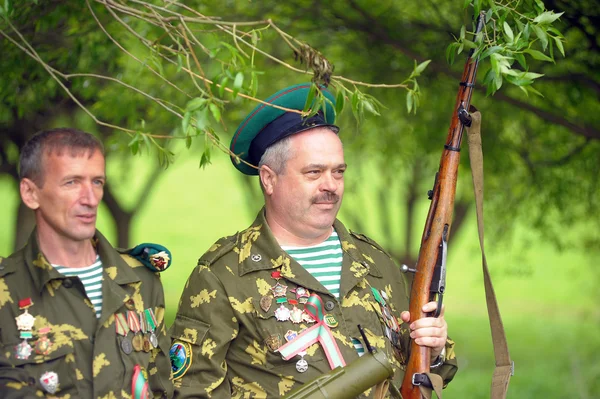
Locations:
(126, 345)
(256, 257)
(153, 340)
(330, 321)
(138, 342)
(301, 365)
(181, 358)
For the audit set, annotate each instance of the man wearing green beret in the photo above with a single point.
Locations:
(278, 304)
(79, 319)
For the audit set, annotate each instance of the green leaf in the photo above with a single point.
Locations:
(223, 85)
(494, 59)
(201, 118)
(538, 55)
(409, 101)
(488, 15)
(188, 142)
(498, 81)
(216, 112)
(547, 17)
(205, 158)
(310, 97)
(421, 67)
(559, 44)
(355, 101)
(518, 81)
(540, 5)
(339, 102)
(521, 60)
(534, 91)
(467, 3)
(542, 35)
(450, 54)
(531, 75)
(489, 51)
(462, 32)
(195, 104)
(237, 83)
(509, 33)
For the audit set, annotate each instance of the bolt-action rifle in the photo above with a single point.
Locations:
(430, 272)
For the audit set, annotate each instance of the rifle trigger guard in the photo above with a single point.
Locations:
(421, 379)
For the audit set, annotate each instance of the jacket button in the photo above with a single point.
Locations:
(329, 305)
(67, 283)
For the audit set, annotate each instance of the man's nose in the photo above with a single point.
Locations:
(91, 195)
(329, 183)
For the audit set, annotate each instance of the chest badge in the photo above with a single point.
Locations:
(265, 302)
(49, 380)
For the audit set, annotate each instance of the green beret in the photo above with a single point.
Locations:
(266, 125)
(155, 257)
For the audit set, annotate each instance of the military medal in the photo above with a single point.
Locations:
(25, 320)
(282, 313)
(151, 320)
(134, 325)
(295, 313)
(43, 344)
(145, 336)
(25, 323)
(23, 350)
(265, 302)
(49, 380)
(302, 365)
(279, 290)
(123, 329)
(302, 294)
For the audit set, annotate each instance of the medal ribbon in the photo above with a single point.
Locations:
(320, 332)
(151, 319)
(133, 321)
(139, 387)
(121, 324)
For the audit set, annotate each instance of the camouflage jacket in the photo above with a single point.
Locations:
(85, 357)
(228, 338)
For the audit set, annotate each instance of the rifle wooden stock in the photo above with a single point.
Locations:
(438, 217)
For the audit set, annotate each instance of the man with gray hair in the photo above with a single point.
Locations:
(279, 304)
(79, 319)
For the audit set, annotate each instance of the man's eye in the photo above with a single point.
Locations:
(99, 183)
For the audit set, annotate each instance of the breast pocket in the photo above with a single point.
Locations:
(53, 373)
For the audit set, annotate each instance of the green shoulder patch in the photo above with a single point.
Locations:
(154, 256)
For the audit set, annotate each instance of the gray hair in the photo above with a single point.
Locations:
(277, 155)
(58, 141)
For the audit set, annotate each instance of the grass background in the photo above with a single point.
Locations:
(547, 298)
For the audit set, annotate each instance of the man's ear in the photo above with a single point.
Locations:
(29, 193)
(268, 179)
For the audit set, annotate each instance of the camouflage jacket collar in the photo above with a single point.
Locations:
(258, 249)
(42, 272)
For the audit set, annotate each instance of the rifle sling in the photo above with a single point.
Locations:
(504, 365)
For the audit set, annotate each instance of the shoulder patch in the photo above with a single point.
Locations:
(154, 256)
(218, 249)
(366, 239)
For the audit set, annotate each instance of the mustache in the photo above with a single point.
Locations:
(326, 197)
